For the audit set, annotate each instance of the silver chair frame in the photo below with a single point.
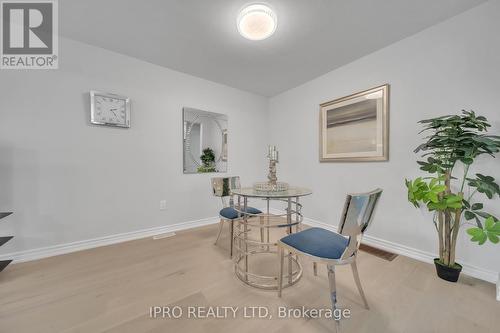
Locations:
(353, 224)
(219, 190)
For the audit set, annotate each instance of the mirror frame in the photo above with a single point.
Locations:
(222, 157)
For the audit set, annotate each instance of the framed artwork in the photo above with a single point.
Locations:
(355, 128)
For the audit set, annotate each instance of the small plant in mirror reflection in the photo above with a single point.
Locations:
(452, 141)
(208, 161)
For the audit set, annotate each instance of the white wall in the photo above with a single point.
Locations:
(452, 66)
(68, 181)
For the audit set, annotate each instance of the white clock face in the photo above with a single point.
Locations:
(110, 110)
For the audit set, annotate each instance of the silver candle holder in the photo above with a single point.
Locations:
(272, 185)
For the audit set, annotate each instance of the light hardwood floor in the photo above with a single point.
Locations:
(110, 289)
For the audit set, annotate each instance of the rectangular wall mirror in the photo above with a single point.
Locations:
(205, 141)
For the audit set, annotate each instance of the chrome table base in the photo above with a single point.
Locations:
(251, 247)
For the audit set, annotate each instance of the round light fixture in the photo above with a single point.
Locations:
(257, 22)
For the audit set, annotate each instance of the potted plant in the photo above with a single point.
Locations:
(452, 145)
(208, 161)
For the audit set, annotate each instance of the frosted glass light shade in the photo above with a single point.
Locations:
(257, 22)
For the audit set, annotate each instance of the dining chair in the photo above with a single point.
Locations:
(333, 248)
(223, 187)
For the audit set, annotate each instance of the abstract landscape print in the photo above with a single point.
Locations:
(356, 127)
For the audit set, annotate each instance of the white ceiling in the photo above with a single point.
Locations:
(200, 37)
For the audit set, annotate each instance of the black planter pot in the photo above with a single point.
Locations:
(450, 274)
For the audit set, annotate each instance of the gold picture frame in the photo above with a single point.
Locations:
(355, 128)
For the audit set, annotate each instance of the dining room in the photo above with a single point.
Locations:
(220, 166)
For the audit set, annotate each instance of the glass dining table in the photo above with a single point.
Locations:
(256, 235)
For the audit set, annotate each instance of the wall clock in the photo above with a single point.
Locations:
(109, 109)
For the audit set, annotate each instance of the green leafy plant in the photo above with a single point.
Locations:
(453, 143)
(208, 161)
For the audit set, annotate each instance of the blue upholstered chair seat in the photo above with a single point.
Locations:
(230, 213)
(318, 242)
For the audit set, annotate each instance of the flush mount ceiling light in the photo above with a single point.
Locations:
(257, 22)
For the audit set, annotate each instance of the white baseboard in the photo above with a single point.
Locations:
(498, 288)
(49, 251)
(420, 255)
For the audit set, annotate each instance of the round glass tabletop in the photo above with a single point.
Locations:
(291, 192)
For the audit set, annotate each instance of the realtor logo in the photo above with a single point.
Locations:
(29, 36)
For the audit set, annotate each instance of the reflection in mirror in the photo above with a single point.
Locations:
(205, 141)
